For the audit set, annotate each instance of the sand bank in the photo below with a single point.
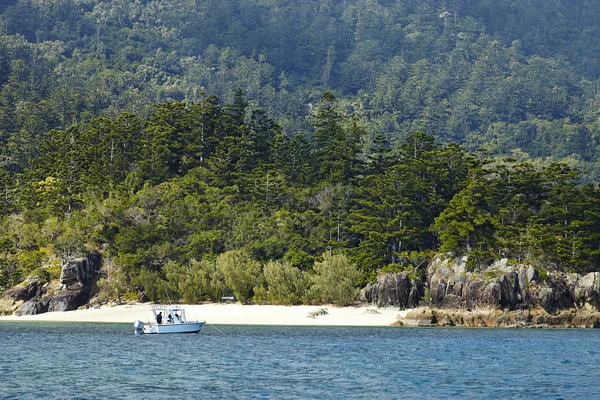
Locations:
(231, 314)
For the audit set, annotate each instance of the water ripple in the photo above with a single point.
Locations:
(106, 361)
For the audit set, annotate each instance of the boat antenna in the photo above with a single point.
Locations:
(167, 293)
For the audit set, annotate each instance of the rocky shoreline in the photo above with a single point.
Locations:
(500, 295)
(77, 283)
(494, 318)
(449, 293)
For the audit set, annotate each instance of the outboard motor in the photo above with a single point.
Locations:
(138, 327)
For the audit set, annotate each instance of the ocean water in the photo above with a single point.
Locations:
(106, 361)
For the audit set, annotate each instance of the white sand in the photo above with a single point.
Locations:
(234, 314)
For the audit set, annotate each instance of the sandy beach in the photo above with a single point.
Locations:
(230, 314)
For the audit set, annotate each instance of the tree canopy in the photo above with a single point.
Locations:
(229, 146)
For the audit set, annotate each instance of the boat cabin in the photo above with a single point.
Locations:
(168, 314)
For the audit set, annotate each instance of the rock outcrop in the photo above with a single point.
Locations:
(80, 272)
(77, 279)
(16, 298)
(509, 287)
(500, 295)
(494, 318)
(422, 316)
(393, 290)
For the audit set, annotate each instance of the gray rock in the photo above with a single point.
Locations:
(82, 271)
(78, 276)
(419, 317)
(586, 290)
(34, 288)
(590, 281)
(532, 274)
(67, 300)
(37, 305)
(393, 290)
(501, 265)
(316, 313)
(509, 287)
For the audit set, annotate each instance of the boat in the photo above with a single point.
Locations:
(168, 319)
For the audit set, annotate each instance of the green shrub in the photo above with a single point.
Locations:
(489, 275)
(54, 268)
(334, 280)
(261, 295)
(153, 284)
(479, 259)
(542, 272)
(188, 281)
(42, 274)
(30, 260)
(240, 272)
(393, 268)
(286, 283)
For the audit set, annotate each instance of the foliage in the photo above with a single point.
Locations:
(240, 272)
(334, 280)
(114, 285)
(199, 145)
(286, 284)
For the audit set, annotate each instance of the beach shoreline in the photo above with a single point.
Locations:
(231, 314)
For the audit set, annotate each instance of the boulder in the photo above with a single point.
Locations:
(586, 292)
(422, 316)
(80, 272)
(57, 300)
(553, 295)
(67, 300)
(143, 298)
(586, 320)
(316, 313)
(23, 296)
(8, 305)
(33, 288)
(532, 274)
(444, 318)
(393, 290)
(37, 305)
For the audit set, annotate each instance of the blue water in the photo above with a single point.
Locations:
(106, 361)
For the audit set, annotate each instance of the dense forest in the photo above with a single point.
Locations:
(292, 151)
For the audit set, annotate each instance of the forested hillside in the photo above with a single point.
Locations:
(196, 143)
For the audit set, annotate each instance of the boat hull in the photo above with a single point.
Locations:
(186, 327)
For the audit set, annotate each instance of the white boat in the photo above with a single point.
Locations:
(168, 319)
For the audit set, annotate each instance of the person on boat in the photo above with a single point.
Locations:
(159, 318)
(170, 319)
(177, 317)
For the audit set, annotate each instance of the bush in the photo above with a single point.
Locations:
(240, 272)
(113, 282)
(190, 282)
(479, 259)
(42, 274)
(54, 268)
(334, 280)
(287, 284)
(153, 284)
